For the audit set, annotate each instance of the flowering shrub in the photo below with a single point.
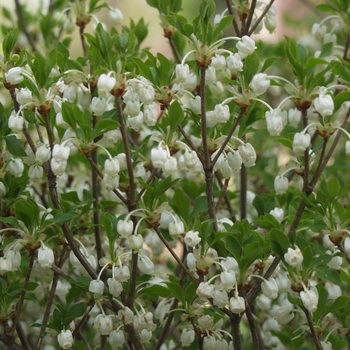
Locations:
(194, 202)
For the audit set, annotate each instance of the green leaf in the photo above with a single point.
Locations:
(268, 63)
(175, 116)
(103, 126)
(340, 99)
(333, 188)
(279, 243)
(251, 66)
(27, 211)
(326, 8)
(77, 310)
(14, 146)
(104, 43)
(201, 204)
(181, 204)
(328, 274)
(11, 220)
(60, 218)
(157, 291)
(234, 247)
(9, 43)
(250, 253)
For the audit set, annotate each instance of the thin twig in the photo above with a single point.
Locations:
(19, 306)
(174, 49)
(257, 22)
(188, 140)
(178, 260)
(234, 22)
(257, 341)
(223, 192)
(315, 338)
(23, 26)
(228, 137)
(250, 18)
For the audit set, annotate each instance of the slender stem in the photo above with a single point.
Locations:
(100, 174)
(257, 341)
(227, 199)
(207, 166)
(346, 47)
(22, 337)
(312, 329)
(19, 306)
(236, 332)
(149, 180)
(178, 260)
(23, 26)
(243, 191)
(48, 309)
(83, 41)
(306, 157)
(257, 22)
(206, 163)
(228, 137)
(131, 190)
(250, 18)
(234, 22)
(184, 134)
(174, 49)
(223, 192)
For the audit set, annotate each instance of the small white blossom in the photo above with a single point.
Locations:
(65, 339)
(192, 238)
(294, 257)
(246, 46)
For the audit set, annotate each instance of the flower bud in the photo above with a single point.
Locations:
(15, 122)
(270, 23)
(145, 336)
(98, 106)
(43, 153)
(301, 142)
(205, 289)
(145, 265)
(278, 214)
(347, 148)
(114, 287)
(65, 339)
(234, 63)
(106, 83)
(58, 167)
(136, 242)
(228, 280)
(220, 298)
(270, 288)
(60, 152)
(158, 157)
(194, 104)
(182, 72)
(115, 15)
(112, 167)
(116, 338)
(234, 160)
(309, 298)
(284, 314)
(103, 324)
(3, 189)
(97, 287)
(176, 229)
(15, 167)
(248, 154)
(294, 257)
(192, 238)
(150, 114)
(14, 76)
(245, 46)
(276, 120)
(324, 103)
(237, 305)
(281, 184)
(187, 337)
(35, 173)
(125, 228)
(126, 315)
(45, 256)
(259, 84)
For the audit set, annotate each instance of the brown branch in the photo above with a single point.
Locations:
(23, 25)
(178, 260)
(314, 336)
(188, 140)
(174, 49)
(250, 18)
(257, 22)
(234, 22)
